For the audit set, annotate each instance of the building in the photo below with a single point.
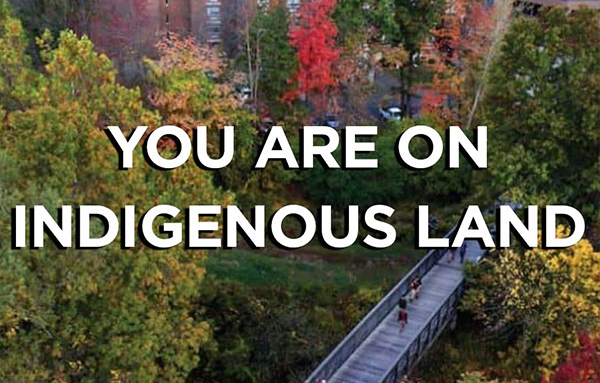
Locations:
(126, 28)
(571, 4)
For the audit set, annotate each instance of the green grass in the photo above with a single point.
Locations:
(256, 268)
(355, 266)
(314, 265)
(399, 250)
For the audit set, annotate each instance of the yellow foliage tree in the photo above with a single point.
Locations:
(544, 298)
(478, 377)
(105, 315)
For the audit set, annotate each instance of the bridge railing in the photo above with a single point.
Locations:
(435, 325)
(361, 331)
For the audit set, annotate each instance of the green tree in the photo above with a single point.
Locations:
(390, 182)
(274, 59)
(387, 183)
(543, 112)
(541, 300)
(351, 21)
(16, 75)
(274, 333)
(55, 15)
(406, 23)
(106, 315)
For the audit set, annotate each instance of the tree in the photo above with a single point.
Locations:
(406, 23)
(351, 22)
(542, 111)
(353, 39)
(389, 183)
(538, 299)
(314, 40)
(459, 55)
(453, 54)
(477, 377)
(355, 68)
(16, 72)
(583, 365)
(486, 44)
(272, 61)
(275, 332)
(106, 315)
(190, 88)
(185, 87)
(55, 15)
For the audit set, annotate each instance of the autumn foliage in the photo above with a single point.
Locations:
(183, 90)
(457, 44)
(314, 40)
(582, 366)
(547, 296)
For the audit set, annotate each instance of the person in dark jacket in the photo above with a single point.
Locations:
(402, 314)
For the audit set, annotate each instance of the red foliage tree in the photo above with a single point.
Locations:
(314, 39)
(457, 44)
(582, 366)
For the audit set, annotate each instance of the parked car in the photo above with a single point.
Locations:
(392, 113)
(330, 120)
(243, 92)
(210, 74)
(265, 124)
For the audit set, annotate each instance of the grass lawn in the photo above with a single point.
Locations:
(354, 266)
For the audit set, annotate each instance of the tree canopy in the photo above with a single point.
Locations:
(582, 365)
(543, 112)
(106, 315)
(540, 299)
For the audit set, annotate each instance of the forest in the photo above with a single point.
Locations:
(177, 315)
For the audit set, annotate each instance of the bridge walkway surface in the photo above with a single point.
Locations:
(376, 351)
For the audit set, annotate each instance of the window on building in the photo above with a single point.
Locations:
(293, 5)
(213, 11)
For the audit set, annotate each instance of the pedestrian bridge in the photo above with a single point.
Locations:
(375, 351)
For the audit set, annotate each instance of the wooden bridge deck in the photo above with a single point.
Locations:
(380, 350)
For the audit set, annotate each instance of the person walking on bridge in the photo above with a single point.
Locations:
(402, 314)
(415, 288)
(452, 254)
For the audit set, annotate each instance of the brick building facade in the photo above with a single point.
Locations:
(124, 27)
